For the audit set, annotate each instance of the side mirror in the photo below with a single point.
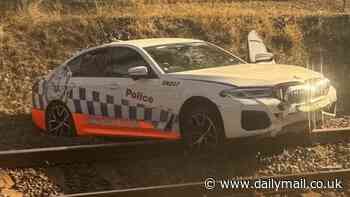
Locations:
(264, 57)
(138, 72)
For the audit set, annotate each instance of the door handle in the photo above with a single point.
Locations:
(113, 86)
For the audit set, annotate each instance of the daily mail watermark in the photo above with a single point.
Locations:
(271, 184)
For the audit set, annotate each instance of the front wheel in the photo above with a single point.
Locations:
(202, 128)
(59, 120)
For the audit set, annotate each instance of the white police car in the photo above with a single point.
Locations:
(173, 88)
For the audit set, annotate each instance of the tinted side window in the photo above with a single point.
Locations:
(107, 62)
(74, 65)
(122, 59)
(90, 64)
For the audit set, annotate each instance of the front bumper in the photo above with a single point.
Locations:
(282, 117)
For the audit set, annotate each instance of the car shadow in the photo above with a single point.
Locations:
(18, 132)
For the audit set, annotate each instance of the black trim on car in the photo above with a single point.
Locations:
(255, 120)
(208, 81)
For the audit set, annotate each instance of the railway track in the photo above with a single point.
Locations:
(83, 153)
(144, 149)
(198, 188)
(49, 157)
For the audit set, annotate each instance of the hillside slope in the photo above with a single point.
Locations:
(38, 38)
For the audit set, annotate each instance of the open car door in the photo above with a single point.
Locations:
(257, 50)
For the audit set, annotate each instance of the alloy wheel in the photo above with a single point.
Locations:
(59, 121)
(204, 132)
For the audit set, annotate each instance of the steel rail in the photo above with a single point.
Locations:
(83, 153)
(327, 130)
(330, 135)
(198, 188)
(136, 149)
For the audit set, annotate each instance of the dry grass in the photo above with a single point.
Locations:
(36, 38)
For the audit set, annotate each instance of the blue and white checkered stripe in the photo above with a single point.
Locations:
(38, 99)
(94, 102)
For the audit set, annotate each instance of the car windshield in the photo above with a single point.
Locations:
(190, 56)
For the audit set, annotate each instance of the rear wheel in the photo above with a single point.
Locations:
(201, 127)
(59, 120)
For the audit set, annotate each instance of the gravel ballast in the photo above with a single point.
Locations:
(168, 169)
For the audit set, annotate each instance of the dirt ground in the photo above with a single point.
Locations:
(36, 39)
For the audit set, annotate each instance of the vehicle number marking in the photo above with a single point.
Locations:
(171, 83)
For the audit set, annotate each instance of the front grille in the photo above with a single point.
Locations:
(255, 120)
(303, 92)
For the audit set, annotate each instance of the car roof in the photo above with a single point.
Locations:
(142, 43)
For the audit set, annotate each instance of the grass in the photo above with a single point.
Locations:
(37, 37)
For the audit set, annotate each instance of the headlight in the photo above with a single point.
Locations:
(247, 92)
(307, 91)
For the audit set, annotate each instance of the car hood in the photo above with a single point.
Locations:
(244, 75)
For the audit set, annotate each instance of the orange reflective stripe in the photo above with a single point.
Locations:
(38, 117)
(88, 125)
(80, 122)
(133, 132)
(145, 125)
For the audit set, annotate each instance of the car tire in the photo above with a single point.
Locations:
(202, 128)
(59, 120)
